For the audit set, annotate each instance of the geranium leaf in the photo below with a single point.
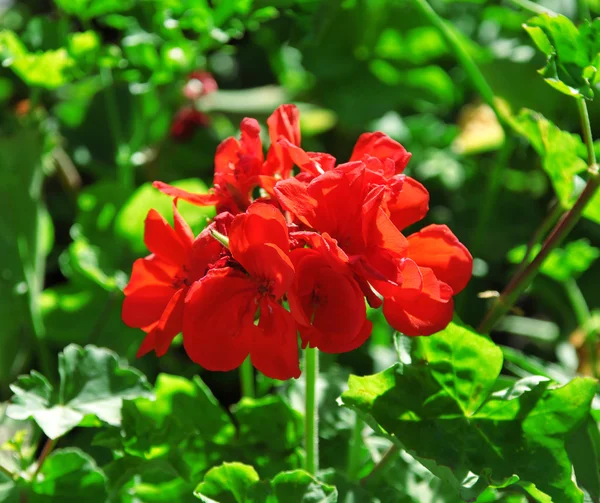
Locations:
(571, 52)
(93, 385)
(442, 410)
(70, 476)
(239, 483)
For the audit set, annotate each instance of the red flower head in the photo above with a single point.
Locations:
(341, 203)
(219, 330)
(186, 121)
(240, 166)
(154, 297)
(325, 300)
(437, 267)
(199, 84)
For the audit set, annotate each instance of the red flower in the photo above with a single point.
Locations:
(218, 329)
(199, 84)
(325, 300)
(186, 121)
(240, 166)
(341, 204)
(438, 266)
(154, 297)
(404, 199)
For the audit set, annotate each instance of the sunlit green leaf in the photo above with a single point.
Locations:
(571, 52)
(49, 69)
(69, 475)
(129, 223)
(93, 386)
(239, 483)
(558, 149)
(441, 408)
(563, 263)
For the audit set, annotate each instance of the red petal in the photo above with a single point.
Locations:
(150, 271)
(262, 223)
(327, 298)
(300, 158)
(182, 229)
(268, 265)
(250, 138)
(218, 321)
(437, 247)
(205, 251)
(209, 199)
(162, 240)
(285, 122)
(275, 346)
(145, 305)
(382, 147)
(423, 313)
(293, 196)
(170, 324)
(226, 157)
(409, 204)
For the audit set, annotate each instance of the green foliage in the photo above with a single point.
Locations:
(239, 483)
(562, 263)
(572, 53)
(130, 227)
(447, 397)
(49, 69)
(93, 385)
(559, 151)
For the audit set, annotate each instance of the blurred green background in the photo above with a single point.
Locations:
(98, 98)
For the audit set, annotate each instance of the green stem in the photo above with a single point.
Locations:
(464, 58)
(586, 128)
(583, 10)
(533, 7)
(354, 449)
(7, 472)
(311, 417)
(247, 378)
(521, 280)
(389, 456)
(583, 315)
(580, 307)
(548, 223)
(124, 168)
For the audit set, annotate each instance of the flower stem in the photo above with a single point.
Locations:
(522, 278)
(354, 448)
(583, 315)
(311, 421)
(247, 378)
(464, 58)
(387, 458)
(7, 472)
(47, 449)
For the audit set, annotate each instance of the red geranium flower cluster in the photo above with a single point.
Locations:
(319, 239)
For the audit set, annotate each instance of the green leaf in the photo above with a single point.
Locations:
(239, 483)
(88, 9)
(270, 433)
(228, 483)
(300, 487)
(92, 263)
(49, 69)
(570, 52)
(584, 449)
(129, 223)
(93, 385)
(441, 408)
(558, 150)
(562, 263)
(70, 476)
